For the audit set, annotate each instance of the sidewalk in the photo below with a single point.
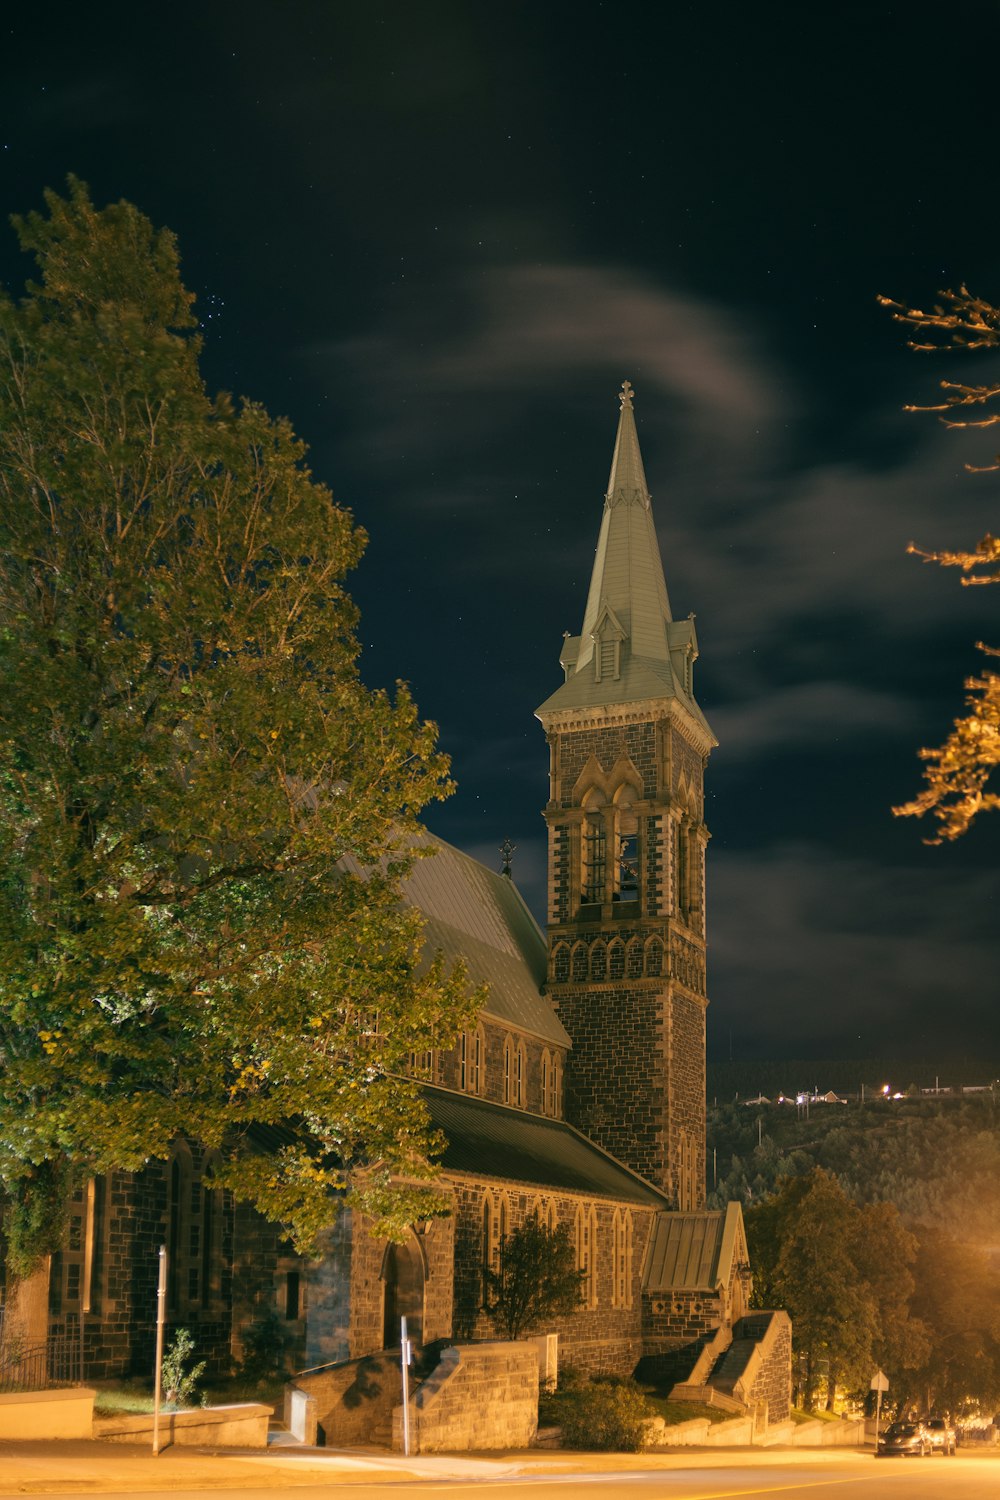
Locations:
(83, 1467)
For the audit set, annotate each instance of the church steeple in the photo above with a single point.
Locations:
(627, 840)
(630, 648)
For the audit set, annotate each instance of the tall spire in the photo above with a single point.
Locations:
(628, 573)
(630, 648)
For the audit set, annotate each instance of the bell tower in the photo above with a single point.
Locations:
(627, 838)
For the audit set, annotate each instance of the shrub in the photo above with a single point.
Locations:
(265, 1348)
(178, 1382)
(605, 1417)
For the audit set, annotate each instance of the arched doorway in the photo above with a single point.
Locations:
(403, 1275)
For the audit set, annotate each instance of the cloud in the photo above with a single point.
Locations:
(520, 334)
(809, 713)
(815, 954)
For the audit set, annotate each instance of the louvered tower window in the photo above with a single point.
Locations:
(595, 858)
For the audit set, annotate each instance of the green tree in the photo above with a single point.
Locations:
(536, 1280)
(957, 1297)
(844, 1275)
(205, 815)
(957, 772)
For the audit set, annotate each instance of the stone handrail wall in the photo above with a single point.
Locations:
(480, 1396)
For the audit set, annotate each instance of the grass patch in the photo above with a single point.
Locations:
(135, 1397)
(798, 1415)
(128, 1398)
(674, 1412)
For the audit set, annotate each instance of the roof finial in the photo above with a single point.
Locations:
(506, 850)
(625, 395)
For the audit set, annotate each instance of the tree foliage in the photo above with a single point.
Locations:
(536, 1280)
(844, 1274)
(205, 815)
(957, 1298)
(957, 772)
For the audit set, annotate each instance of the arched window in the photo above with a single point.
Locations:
(544, 1210)
(616, 959)
(487, 1243)
(557, 1087)
(560, 963)
(687, 1175)
(423, 1064)
(626, 874)
(621, 1271)
(479, 1061)
(471, 1060)
(654, 957)
(503, 1228)
(579, 963)
(508, 1069)
(550, 1083)
(598, 962)
(520, 1075)
(586, 1252)
(681, 870)
(633, 959)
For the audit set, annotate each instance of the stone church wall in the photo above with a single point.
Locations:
(687, 1085)
(676, 1319)
(493, 1066)
(601, 1339)
(616, 1088)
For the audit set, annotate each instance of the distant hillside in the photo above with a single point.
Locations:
(936, 1158)
(749, 1079)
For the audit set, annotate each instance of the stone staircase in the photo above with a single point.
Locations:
(730, 1370)
(731, 1365)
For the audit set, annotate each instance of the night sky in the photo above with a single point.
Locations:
(439, 236)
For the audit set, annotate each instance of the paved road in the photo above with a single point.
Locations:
(93, 1470)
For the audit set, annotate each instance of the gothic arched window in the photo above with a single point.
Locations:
(616, 959)
(598, 962)
(585, 1226)
(633, 959)
(621, 1270)
(654, 958)
(520, 1074)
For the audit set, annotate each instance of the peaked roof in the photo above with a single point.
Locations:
(695, 1252)
(628, 602)
(495, 1140)
(478, 915)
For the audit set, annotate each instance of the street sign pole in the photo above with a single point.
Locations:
(404, 1345)
(161, 1307)
(879, 1384)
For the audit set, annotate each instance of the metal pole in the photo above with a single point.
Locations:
(161, 1308)
(404, 1344)
(878, 1412)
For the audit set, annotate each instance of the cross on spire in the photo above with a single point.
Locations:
(625, 394)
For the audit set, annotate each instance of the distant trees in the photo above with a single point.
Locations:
(844, 1274)
(957, 772)
(205, 815)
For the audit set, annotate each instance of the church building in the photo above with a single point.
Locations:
(578, 1096)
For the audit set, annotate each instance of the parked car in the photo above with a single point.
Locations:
(942, 1434)
(906, 1438)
